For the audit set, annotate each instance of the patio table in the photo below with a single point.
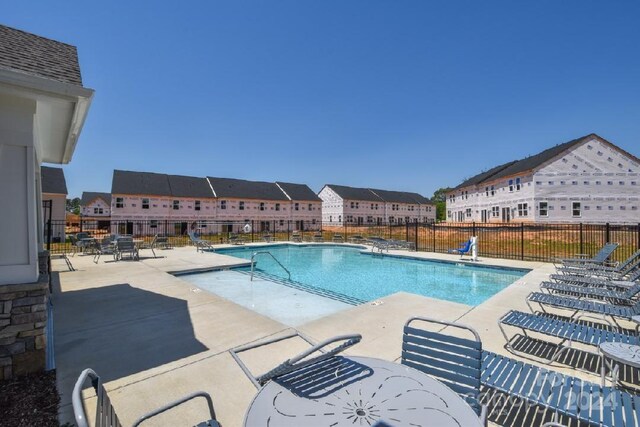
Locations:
(626, 354)
(348, 391)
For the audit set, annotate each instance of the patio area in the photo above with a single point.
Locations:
(154, 337)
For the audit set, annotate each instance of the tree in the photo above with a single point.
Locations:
(440, 200)
(73, 205)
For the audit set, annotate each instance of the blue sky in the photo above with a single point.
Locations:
(405, 95)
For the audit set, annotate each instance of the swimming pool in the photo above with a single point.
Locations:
(347, 270)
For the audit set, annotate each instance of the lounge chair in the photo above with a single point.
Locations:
(296, 237)
(318, 238)
(298, 362)
(356, 238)
(464, 248)
(582, 259)
(620, 296)
(337, 238)
(200, 244)
(596, 281)
(454, 361)
(267, 237)
(124, 246)
(162, 242)
(105, 412)
(567, 331)
(582, 307)
(558, 393)
(236, 239)
(614, 272)
(379, 243)
(402, 244)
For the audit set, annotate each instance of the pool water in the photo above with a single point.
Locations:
(361, 275)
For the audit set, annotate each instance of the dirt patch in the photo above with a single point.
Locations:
(32, 400)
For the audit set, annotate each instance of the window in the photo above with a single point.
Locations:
(523, 209)
(176, 205)
(353, 205)
(297, 206)
(277, 206)
(223, 204)
(119, 202)
(495, 211)
(486, 190)
(493, 191)
(197, 205)
(543, 208)
(357, 205)
(145, 203)
(310, 207)
(518, 186)
(468, 212)
(97, 211)
(575, 209)
(261, 206)
(511, 186)
(153, 223)
(241, 206)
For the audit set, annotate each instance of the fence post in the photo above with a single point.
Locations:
(434, 235)
(522, 241)
(253, 229)
(81, 224)
(473, 229)
(607, 230)
(416, 236)
(288, 230)
(406, 231)
(581, 241)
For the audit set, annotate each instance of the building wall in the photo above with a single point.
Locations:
(58, 215)
(604, 181)
(332, 206)
(93, 209)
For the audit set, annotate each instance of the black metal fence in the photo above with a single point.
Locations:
(522, 241)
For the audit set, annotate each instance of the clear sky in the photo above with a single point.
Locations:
(404, 95)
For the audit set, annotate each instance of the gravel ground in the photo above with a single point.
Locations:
(29, 401)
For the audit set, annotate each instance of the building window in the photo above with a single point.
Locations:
(153, 223)
(310, 206)
(296, 206)
(277, 206)
(511, 186)
(357, 205)
(241, 206)
(495, 211)
(468, 212)
(223, 204)
(486, 189)
(518, 186)
(575, 209)
(119, 202)
(523, 209)
(97, 210)
(197, 205)
(176, 205)
(543, 208)
(145, 203)
(261, 206)
(353, 205)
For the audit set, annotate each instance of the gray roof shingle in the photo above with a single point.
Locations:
(89, 196)
(401, 197)
(146, 183)
(39, 56)
(299, 191)
(242, 189)
(355, 193)
(189, 186)
(52, 180)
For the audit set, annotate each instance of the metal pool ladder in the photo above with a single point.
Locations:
(271, 255)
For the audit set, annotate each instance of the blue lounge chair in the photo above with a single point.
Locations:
(568, 332)
(619, 271)
(200, 244)
(596, 281)
(599, 258)
(580, 307)
(105, 413)
(464, 248)
(616, 296)
(454, 361)
(560, 394)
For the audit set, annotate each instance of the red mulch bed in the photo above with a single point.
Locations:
(29, 401)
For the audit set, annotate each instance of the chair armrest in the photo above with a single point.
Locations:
(176, 403)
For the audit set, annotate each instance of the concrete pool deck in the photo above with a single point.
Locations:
(155, 337)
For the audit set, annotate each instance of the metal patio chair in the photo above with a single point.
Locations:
(105, 412)
(125, 245)
(105, 247)
(454, 361)
(583, 259)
